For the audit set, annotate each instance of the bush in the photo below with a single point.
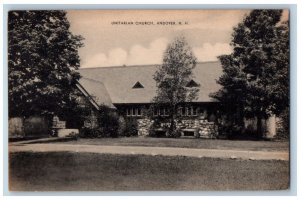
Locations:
(176, 133)
(283, 131)
(122, 126)
(108, 125)
(108, 122)
(131, 127)
(88, 133)
(153, 130)
(230, 131)
(197, 135)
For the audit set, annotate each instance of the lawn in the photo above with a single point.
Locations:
(187, 143)
(66, 171)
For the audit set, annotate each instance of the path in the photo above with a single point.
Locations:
(166, 151)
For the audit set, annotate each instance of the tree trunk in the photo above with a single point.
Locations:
(172, 125)
(259, 130)
(172, 128)
(240, 120)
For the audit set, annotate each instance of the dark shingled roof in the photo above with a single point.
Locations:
(119, 82)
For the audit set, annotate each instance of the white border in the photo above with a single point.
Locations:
(228, 5)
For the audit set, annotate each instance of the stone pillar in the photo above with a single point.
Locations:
(271, 127)
(16, 127)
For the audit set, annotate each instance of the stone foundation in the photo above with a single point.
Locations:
(208, 130)
(203, 127)
(144, 126)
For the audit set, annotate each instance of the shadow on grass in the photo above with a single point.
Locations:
(66, 171)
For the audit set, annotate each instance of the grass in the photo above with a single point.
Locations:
(187, 143)
(66, 171)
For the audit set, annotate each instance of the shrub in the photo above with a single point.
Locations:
(153, 129)
(122, 126)
(108, 122)
(131, 128)
(176, 133)
(229, 131)
(197, 135)
(283, 131)
(86, 132)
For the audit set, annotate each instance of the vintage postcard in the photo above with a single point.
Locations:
(149, 100)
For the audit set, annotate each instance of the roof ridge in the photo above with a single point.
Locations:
(148, 65)
(122, 66)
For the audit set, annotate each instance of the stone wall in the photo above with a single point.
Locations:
(203, 127)
(144, 126)
(16, 128)
(208, 130)
(268, 125)
(34, 126)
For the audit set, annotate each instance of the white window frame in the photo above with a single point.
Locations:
(161, 112)
(133, 111)
(138, 111)
(182, 111)
(128, 112)
(188, 111)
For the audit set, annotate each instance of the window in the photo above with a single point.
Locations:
(138, 112)
(155, 112)
(161, 112)
(137, 85)
(134, 111)
(188, 111)
(194, 111)
(192, 83)
(181, 111)
(128, 112)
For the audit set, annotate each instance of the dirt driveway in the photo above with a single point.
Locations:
(142, 150)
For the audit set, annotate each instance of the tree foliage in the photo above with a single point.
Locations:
(173, 75)
(42, 59)
(255, 80)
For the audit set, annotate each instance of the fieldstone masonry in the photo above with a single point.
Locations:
(202, 126)
(144, 126)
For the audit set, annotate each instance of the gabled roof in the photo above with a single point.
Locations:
(138, 85)
(119, 81)
(95, 91)
(192, 83)
(87, 95)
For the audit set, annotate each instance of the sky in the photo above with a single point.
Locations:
(140, 37)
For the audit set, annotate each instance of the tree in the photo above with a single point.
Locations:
(255, 76)
(42, 59)
(232, 96)
(173, 76)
